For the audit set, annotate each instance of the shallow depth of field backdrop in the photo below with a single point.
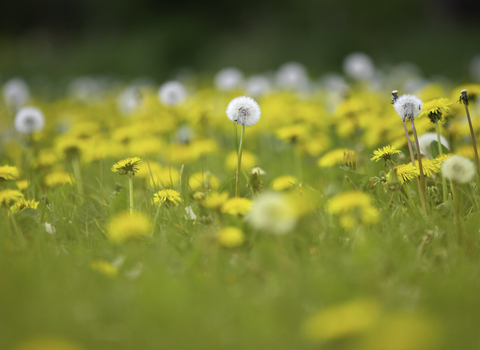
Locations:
(125, 223)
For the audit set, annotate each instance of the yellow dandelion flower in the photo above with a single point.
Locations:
(436, 109)
(104, 267)
(199, 197)
(8, 197)
(384, 153)
(69, 146)
(128, 166)
(47, 343)
(216, 200)
(145, 168)
(237, 206)
(341, 321)
(22, 184)
(166, 178)
(58, 178)
(283, 183)
(429, 166)
(353, 208)
(149, 145)
(203, 181)
(22, 204)
(167, 196)
(249, 160)
(231, 237)
(403, 331)
(125, 226)
(441, 158)
(334, 157)
(292, 133)
(8, 173)
(406, 172)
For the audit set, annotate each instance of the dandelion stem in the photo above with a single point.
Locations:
(473, 138)
(474, 142)
(130, 190)
(410, 149)
(239, 164)
(78, 175)
(444, 181)
(458, 209)
(419, 157)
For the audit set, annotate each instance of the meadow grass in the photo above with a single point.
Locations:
(414, 277)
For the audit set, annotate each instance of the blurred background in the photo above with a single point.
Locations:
(59, 39)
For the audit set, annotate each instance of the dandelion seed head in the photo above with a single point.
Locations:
(258, 85)
(292, 76)
(408, 107)
(272, 212)
(458, 169)
(129, 100)
(359, 65)
(228, 79)
(16, 93)
(243, 111)
(172, 93)
(426, 139)
(28, 120)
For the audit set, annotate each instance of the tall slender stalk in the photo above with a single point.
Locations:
(239, 163)
(473, 138)
(464, 100)
(419, 157)
(444, 181)
(130, 191)
(412, 158)
(458, 212)
(78, 175)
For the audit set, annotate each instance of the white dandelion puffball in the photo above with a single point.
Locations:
(426, 139)
(172, 93)
(359, 65)
(29, 120)
(16, 93)
(129, 100)
(258, 85)
(272, 212)
(228, 79)
(86, 88)
(292, 76)
(475, 68)
(243, 111)
(408, 106)
(458, 169)
(333, 82)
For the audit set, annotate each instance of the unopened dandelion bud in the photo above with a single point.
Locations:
(255, 181)
(394, 96)
(463, 97)
(199, 197)
(393, 181)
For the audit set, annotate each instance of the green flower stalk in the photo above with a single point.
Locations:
(408, 107)
(464, 100)
(128, 167)
(245, 112)
(435, 110)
